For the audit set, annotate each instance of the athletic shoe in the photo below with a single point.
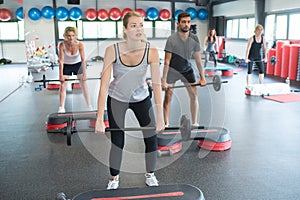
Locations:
(113, 183)
(195, 125)
(151, 180)
(61, 110)
(91, 108)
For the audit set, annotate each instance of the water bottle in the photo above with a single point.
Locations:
(29, 78)
(287, 81)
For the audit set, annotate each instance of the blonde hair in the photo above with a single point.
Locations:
(72, 29)
(258, 27)
(126, 21)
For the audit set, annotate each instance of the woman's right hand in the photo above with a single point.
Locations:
(164, 85)
(100, 127)
(61, 78)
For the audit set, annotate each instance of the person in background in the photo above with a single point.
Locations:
(72, 62)
(129, 61)
(181, 46)
(211, 46)
(256, 52)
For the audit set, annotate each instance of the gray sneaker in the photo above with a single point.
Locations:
(113, 184)
(151, 180)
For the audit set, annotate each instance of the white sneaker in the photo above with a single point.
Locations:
(151, 180)
(91, 108)
(61, 110)
(195, 125)
(113, 183)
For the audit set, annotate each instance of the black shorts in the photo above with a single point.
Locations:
(72, 69)
(259, 64)
(185, 77)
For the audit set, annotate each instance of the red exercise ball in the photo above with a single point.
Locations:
(125, 10)
(91, 14)
(114, 14)
(142, 12)
(5, 14)
(164, 14)
(102, 14)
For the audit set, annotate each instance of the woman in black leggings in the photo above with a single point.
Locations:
(129, 61)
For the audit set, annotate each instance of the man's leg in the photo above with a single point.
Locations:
(167, 105)
(194, 104)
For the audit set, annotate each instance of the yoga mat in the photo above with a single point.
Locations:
(284, 98)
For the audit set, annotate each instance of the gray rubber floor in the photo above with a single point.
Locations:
(262, 163)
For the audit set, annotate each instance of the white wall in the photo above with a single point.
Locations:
(234, 8)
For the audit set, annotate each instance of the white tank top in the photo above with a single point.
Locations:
(71, 59)
(129, 82)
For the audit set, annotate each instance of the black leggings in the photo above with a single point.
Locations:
(116, 115)
(260, 65)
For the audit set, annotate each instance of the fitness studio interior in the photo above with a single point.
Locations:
(247, 144)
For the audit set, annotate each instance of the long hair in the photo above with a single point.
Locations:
(126, 21)
(212, 35)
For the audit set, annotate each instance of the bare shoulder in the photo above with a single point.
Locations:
(153, 54)
(80, 44)
(110, 49)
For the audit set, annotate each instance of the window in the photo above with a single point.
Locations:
(9, 31)
(294, 31)
(229, 28)
(107, 30)
(148, 29)
(270, 27)
(281, 27)
(162, 29)
(21, 30)
(62, 25)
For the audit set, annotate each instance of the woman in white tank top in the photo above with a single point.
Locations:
(128, 61)
(72, 62)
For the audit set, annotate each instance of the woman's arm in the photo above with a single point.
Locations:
(109, 58)
(156, 86)
(248, 49)
(61, 60)
(167, 59)
(265, 50)
(83, 61)
(204, 43)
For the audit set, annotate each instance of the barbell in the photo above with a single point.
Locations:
(185, 129)
(44, 80)
(216, 83)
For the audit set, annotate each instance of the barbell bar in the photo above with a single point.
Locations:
(216, 82)
(44, 80)
(185, 129)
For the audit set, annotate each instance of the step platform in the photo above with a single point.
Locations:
(212, 138)
(76, 86)
(267, 89)
(57, 121)
(177, 191)
(169, 143)
(225, 70)
(53, 86)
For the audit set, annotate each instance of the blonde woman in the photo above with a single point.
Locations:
(129, 61)
(72, 62)
(256, 53)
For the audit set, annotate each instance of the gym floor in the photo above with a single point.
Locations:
(262, 163)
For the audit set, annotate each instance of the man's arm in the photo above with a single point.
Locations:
(200, 67)
(168, 56)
